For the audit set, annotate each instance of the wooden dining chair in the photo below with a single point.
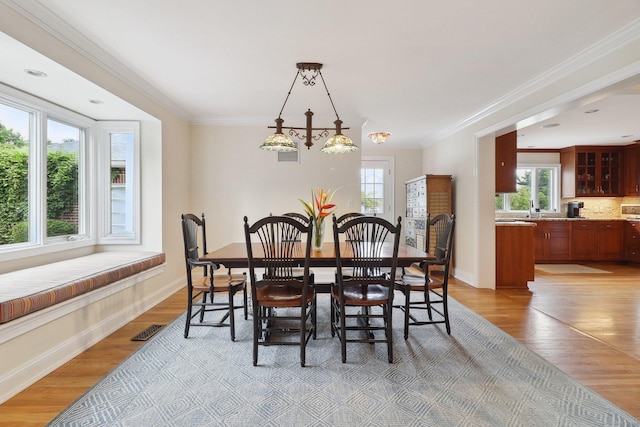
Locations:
(361, 301)
(202, 291)
(428, 281)
(281, 242)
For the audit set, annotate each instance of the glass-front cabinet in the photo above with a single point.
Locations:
(591, 171)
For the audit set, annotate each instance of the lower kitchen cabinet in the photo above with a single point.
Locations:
(552, 241)
(632, 241)
(597, 240)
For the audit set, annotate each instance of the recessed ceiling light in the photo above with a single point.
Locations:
(35, 73)
(595, 110)
(531, 146)
(550, 125)
(626, 136)
(96, 101)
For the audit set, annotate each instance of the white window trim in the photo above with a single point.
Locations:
(555, 187)
(103, 185)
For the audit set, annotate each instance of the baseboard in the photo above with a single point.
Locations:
(13, 382)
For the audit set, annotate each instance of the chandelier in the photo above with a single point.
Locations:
(379, 137)
(337, 144)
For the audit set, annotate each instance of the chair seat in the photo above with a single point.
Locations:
(220, 282)
(282, 296)
(416, 283)
(363, 294)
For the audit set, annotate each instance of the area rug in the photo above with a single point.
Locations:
(477, 376)
(568, 269)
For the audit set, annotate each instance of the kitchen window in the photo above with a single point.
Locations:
(537, 190)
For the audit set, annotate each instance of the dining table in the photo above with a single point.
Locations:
(234, 255)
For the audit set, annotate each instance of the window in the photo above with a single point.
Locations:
(15, 165)
(538, 187)
(376, 185)
(63, 178)
(55, 171)
(119, 141)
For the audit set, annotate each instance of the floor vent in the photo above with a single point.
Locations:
(147, 333)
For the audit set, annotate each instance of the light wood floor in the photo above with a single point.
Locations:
(586, 324)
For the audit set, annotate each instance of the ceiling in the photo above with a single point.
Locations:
(417, 71)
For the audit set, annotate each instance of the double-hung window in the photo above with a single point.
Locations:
(537, 190)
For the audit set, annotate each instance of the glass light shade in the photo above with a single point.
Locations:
(339, 144)
(379, 137)
(279, 142)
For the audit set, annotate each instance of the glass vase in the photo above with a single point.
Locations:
(318, 235)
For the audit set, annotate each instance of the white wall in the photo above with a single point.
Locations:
(231, 177)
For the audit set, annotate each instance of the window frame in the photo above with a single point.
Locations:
(555, 198)
(104, 130)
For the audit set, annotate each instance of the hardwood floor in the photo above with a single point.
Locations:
(586, 324)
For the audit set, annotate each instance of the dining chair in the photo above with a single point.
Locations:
(349, 215)
(361, 301)
(202, 291)
(280, 240)
(429, 279)
(300, 217)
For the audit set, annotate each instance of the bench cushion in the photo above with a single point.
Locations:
(32, 289)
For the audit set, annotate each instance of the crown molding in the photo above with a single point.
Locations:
(44, 18)
(617, 40)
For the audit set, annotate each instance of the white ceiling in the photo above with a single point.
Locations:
(417, 68)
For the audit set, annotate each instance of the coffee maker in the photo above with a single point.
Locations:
(573, 209)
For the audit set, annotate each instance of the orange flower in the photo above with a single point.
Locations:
(320, 205)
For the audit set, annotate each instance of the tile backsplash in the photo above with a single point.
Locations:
(600, 207)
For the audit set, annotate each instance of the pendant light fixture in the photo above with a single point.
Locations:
(337, 144)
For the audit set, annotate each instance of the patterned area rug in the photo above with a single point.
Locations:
(478, 376)
(568, 269)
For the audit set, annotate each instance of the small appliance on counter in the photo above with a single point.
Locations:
(630, 211)
(573, 209)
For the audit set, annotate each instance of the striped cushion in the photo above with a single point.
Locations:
(32, 289)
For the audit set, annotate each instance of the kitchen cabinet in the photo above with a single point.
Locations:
(515, 260)
(426, 195)
(632, 241)
(591, 171)
(631, 165)
(597, 240)
(506, 163)
(552, 241)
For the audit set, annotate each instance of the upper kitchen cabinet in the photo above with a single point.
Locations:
(631, 164)
(506, 163)
(589, 171)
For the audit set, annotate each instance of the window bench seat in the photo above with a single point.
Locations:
(26, 291)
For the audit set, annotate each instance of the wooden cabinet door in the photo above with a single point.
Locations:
(541, 248)
(584, 241)
(609, 241)
(631, 162)
(506, 163)
(559, 241)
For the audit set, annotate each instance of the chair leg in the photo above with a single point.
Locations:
(303, 333)
(427, 301)
(246, 307)
(314, 316)
(407, 304)
(343, 334)
(232, 326)
(445, 311)
(256, 332)
(189, 308)
(389, 330)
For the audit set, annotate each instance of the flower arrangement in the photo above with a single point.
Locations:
(318, 209)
